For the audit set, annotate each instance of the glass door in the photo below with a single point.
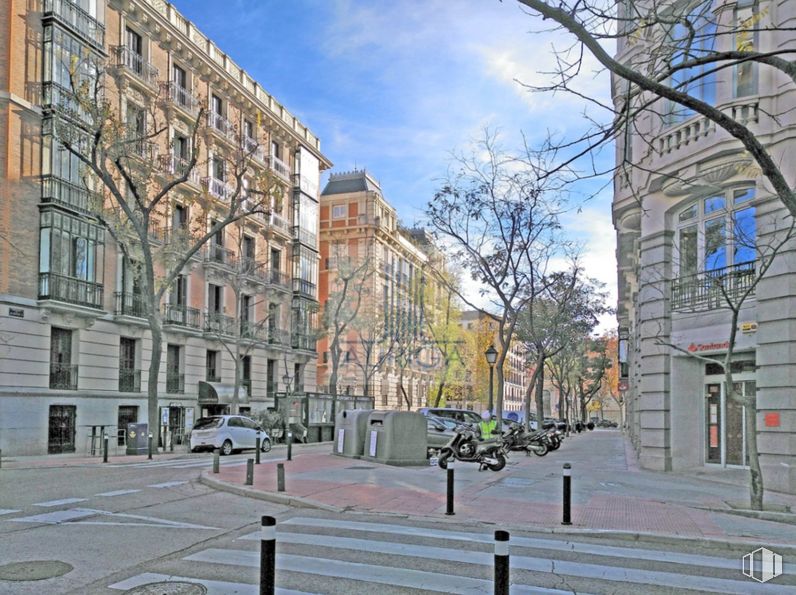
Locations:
(713, 423)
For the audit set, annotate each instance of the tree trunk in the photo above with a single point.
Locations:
(755, 474)
(440, 389)
(153, 419)
(540, 393)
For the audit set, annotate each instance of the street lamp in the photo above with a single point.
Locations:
(491, 358)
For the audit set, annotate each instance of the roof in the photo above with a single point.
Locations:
(351, 181)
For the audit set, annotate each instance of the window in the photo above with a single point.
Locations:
(276, 259)
(246, 373)
(212, 366)
(248, 129)
(180, 147)
(180, 79)
(179, 291)
(270, 377)
(175, 381)
(276, 150)
(717, 232)
(128, 414)
(217, 105)
(215, 295)
(747, 19)
(129, 376)
(134, 42)
(219, 168)
(179, 217)
(339, 211)
(63, 375)
(248, 247)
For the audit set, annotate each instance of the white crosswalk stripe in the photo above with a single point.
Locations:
(348, 551)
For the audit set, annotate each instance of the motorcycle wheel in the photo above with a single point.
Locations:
(501, 462)
(443, 459)
(540, 449)
(555, 445)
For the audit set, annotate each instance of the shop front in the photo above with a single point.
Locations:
(724, 417)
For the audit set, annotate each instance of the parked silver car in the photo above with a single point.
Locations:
(228, 433)
(440, 431)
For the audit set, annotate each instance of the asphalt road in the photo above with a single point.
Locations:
(122, 526)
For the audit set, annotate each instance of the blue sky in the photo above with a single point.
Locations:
(394, 87)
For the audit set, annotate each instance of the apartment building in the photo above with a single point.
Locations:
(387, 354)
(692, 221)
(75, 346)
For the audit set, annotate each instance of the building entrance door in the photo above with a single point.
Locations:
(725, 433)
(61, 437)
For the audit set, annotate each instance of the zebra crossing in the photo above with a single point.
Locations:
(323, 555)
(190, 463)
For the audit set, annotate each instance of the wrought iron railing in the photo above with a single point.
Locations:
(305, 288)
(129, 380)
(136, 64)
(278, 336)
(304, 236)
(175, 382)
(179, 315)
(182, 98)
(177, 166)
(129, 304)
(63, 376)
(279, 223)
(74, 17)
(303, 341)
(280, 168)
(68, 289)
(219, 323)
(216, 253)
(712, 288)
(220, 124)
(277, 277)
(56, 190)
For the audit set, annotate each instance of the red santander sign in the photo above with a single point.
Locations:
(699, 347)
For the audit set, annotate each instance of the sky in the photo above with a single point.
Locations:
(397, 87)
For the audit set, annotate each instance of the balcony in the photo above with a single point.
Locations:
(177, 166)
(129, 380)
(251, 145)
(181, 98)
(305, 237)
(303, 341)
(251, 330)
(58, 98)
(128, 61)
(141, 150)
(279, 224)
(304, 288)
(279, 167)
(175, 382)
(220, 125)
(63, 376)
(218, 188)
(219, 324)
(57, 191)
(71, 290)
(278, 336)
(305, 185)
(217, 254)
(708, 289)
(178, 315)
(72, 16)
(129, 304)
(278, 278)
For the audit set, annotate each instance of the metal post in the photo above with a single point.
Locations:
(491, 389)
(257, 452)
(249, 472)
(216, 461)
(150, 446)
(105, 449)
(449, 508)
(567, 494)
(1, 457)
(501, 562)
(280, 477)
(290, 446)
(268, 555)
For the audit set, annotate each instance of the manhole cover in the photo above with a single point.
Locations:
(360, 468)
(33, 570)
(168, 588)
(517, 482)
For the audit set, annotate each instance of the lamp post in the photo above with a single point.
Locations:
(491, 358)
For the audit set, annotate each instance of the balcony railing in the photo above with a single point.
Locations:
(305, 237)
(221, 125)
(56, 190)
(216, 253)
(68, 289)
(63, 376)
(177, 166)
(218, 188)
(77, 19)
(306, 185)
(303, 287)
(278, 336)
(136, 65)
(175, 382)
(180, 97)
(181, 316)
(129, 304)
(251, 330)
(279, 167)
(303, 341)
(711, 289)
(219, 324)
(279, 223)
(129, 380)
(251, 145)
(277, 277)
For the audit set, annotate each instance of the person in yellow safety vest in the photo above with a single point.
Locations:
(487, 425)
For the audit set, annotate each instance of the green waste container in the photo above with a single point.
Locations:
(137, 439)
(396, 438)
(349, 432)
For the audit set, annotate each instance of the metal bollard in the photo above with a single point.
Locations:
(249, 472)
(290, 446)
(567, 494)
(216, 459)
(1, 457)
(280, 477)
(449, 508)
(105, 449)
(257, 452)
(150, 446)
(501, 562)
(268, 555)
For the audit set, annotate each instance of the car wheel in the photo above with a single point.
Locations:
(265, 445)
(226, 448)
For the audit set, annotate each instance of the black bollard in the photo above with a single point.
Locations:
(257, 452)
(105, 449)
(216, 461)
(150, 446)
(449, 508)
(1, 457)
(280, 477)
(567, 494)
(249, 472)
(268, 556)
(290, 446)
(501, 562)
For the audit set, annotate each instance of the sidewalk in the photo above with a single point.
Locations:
(610, 493)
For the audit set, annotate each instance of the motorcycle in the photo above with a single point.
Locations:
(538, 443)
(465, 446)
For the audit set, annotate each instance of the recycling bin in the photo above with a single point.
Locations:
(137, 439)
(396, 438)
(349, 432)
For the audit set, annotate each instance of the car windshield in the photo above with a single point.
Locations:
(206, 423)
(447, 423)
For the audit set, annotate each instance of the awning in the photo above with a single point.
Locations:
(218, 393)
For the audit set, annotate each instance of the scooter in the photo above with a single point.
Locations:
(538, 443)
(465, 446)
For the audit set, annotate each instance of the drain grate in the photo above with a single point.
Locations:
(168, 588)
(34, 570)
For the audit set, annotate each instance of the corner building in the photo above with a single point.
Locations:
(75, 347)
(691, 217)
